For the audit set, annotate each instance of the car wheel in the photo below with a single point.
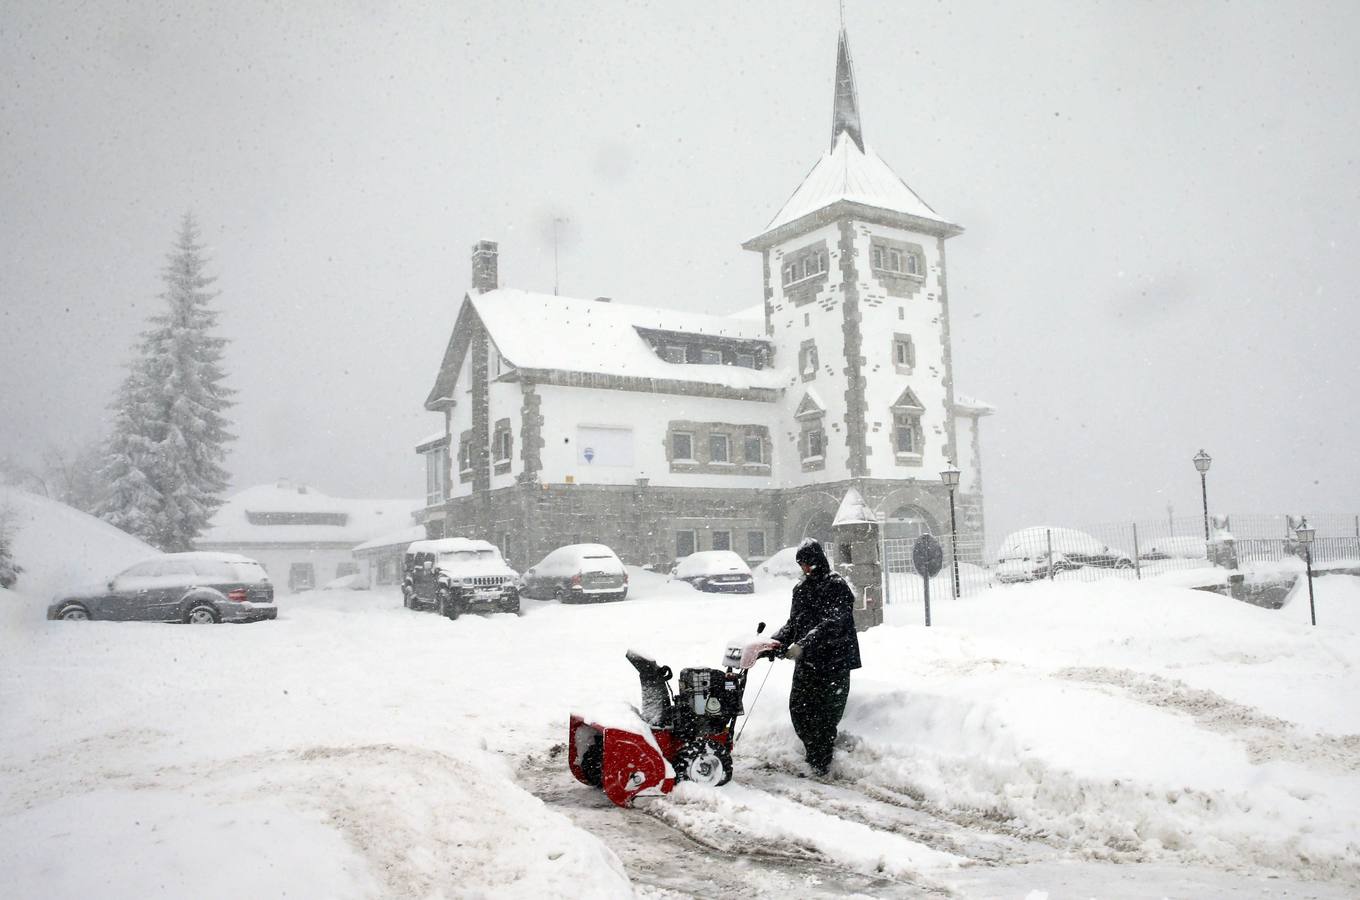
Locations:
(700, 584)
(202, 614)
(560, 595)
(74, 612)
(1124, 564)
(406, 599)
(445, 604)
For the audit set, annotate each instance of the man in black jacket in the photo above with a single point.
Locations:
(820, 637)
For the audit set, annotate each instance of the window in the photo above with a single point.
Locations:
(682, 445)
(906, 433)
(755, 545)
(878, 257)
(504, 544)
(710, 357)
(387, 571)
(913, 265)
(755, 450)
(436, 476)
(718, 448)
(722, 540)
(807, 319)
(895, 260)
(673, 353)
(503, 444)
(807, 359)
(746, 360)
(814, 444)
(904, 352)
(790, 273)
(465, 452)
(684, 543)
(301, 577)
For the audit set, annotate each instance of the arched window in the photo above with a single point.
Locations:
(907, 522)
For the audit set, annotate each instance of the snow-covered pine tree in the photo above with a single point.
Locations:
(164, 464)
(9, 569)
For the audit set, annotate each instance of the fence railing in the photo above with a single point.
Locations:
(1131, 550)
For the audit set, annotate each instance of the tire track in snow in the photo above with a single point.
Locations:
(668, 857)
(1267, 738)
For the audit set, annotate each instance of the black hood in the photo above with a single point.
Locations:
(811, 554)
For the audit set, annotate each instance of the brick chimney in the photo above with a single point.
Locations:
(484, 265)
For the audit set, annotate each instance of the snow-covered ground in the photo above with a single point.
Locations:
(1095, 740)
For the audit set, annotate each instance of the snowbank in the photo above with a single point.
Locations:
(60, 547)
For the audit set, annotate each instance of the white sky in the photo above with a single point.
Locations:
(1161, 202)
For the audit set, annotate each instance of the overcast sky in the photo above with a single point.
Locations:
(1161, 202)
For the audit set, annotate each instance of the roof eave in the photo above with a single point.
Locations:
(842, 209)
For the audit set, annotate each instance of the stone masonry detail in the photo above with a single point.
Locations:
(856, 409)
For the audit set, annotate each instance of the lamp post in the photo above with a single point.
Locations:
(950, 477)
(1202, 461)
(1305, 534)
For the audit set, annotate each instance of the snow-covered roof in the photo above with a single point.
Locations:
(756, 312)
(846, 173)
(394, 538)
(853, 510)
(431, 439)
(542, 331)
(286, 513)
(972, 405)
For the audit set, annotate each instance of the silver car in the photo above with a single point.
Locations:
(198, 588)
(577, 573)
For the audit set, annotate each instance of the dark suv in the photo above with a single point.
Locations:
(198, 588)
(453, 576)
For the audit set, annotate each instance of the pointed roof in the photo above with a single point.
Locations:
(845, 107)
(850, 179)
(853, 510)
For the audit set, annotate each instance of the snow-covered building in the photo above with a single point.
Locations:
(302, 537)
(661, 432)
(381, 558)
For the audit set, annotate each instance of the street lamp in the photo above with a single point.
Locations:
(1202, 461)
(1305, 534)
(950, 477)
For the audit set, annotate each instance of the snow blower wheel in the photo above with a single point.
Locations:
(704, 761)
(592, 763)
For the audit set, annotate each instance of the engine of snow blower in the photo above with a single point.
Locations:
(682, 735)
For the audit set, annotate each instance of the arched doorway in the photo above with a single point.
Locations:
(818, 528)
(908, 522)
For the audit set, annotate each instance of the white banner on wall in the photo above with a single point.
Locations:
(602, 446)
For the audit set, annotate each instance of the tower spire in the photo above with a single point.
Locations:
(845, 109)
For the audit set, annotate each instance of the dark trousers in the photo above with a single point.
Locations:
(816, 704)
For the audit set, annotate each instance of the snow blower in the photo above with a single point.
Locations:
(685, 735)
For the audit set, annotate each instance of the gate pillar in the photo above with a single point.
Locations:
(857, 558)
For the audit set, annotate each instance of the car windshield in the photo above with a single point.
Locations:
(466, 556)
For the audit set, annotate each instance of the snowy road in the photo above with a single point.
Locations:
(1108, 741)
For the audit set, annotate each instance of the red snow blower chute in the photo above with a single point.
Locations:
(686, 735)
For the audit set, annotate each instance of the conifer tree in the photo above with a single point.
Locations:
(164, 463)
(9, 569)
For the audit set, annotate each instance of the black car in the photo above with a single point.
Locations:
(198, 588)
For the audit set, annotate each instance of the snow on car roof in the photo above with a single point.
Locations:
(214, 556)
(450, 545)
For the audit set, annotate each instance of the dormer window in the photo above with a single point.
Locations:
(673, 353)
(710, 357)
(805, 264)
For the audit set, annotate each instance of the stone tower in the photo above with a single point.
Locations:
(857, 307)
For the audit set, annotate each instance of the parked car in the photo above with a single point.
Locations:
(576, 573)
(453, 576)
(781, 565)
(198, 588)
(1025, 556)
(715, 570)
(1179, 547)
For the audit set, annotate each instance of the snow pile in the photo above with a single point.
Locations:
(1032, 738)
(60, 547)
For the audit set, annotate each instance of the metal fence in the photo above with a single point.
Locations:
(1130, 550)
